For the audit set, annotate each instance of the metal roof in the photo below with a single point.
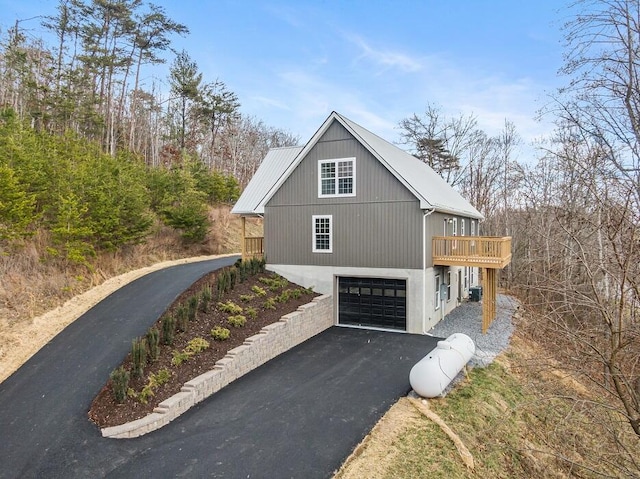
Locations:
(427, 186)
(266, 176)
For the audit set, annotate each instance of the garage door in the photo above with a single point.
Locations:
(373, 302)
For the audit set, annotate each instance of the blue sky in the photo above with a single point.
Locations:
(292, 62)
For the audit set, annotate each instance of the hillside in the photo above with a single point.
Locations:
(39, 298)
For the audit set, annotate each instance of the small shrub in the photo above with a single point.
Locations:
(153, 382)
(138, 356)
(258, 290)
(246, 297)
(233, 277)
(192, 309)
(120, 384)
(274, 282)
(243, 271)
(230, 307)
(252, 313)
(220, 334)
(270, 303)
(205, 298)
(179, 357)
(283, 297)
(196, 345)
(296, 293)
(153, 344)
(168, 329)
(237, 321)
(145, 394)
(161, 377)
(182, 318)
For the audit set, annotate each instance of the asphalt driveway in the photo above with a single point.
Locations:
(299, 415)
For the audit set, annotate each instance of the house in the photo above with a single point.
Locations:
(354, 216)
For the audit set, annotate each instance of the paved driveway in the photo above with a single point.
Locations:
(299, 415)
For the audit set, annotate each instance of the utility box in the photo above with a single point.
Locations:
(475, 293)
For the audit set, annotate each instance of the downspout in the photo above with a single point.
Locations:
(424, 269)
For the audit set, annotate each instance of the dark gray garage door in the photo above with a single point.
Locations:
(373, 302)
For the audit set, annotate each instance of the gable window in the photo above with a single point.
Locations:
(337, 177)
(322, 234)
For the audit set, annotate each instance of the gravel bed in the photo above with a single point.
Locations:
(467, 319)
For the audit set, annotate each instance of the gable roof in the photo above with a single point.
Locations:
(420, 179)
(273, 166)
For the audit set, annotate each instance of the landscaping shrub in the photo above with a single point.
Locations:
(258, 290)
(230, 307)
(233, 277)
(205, 298)
(237, 321)
(270, 303)
(168, 329)
(120, 384)
(251, 312)
(246, 297)
(196, 345)
(220, 334)
(179, 357)
(153, 343)
(182, 318)
(138, 356)
(192, 308)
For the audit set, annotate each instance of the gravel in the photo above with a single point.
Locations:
(467, 319)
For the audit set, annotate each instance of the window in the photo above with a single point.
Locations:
(448, 285)
(337, 177)
(322, 242)
(473, 228)
(462, 227)
(437, 292)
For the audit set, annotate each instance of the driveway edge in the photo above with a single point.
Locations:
(292, 329)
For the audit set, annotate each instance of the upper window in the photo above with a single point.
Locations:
(322, 234)
(337, 177)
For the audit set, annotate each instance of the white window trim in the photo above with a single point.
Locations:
(314, 233)
(448, 286)
(336, 194)
(437, 282)
(462, 227)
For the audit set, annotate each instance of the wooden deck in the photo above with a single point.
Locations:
(473, 251)
(253, 247)
(486, 252)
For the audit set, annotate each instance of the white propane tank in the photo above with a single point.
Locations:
(433, 373)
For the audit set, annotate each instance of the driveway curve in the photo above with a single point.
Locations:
(298, 415)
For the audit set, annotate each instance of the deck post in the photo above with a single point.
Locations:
(489, 290)
(243, 236)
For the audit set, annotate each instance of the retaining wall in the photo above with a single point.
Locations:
(292, 329)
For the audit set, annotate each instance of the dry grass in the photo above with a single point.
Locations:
(524, 416)
(39, 296)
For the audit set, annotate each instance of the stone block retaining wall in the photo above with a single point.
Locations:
(292, 329)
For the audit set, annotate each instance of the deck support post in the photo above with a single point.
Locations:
(489, 293)
(243, 236)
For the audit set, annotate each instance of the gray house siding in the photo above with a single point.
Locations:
(374, 235)
(379, 227)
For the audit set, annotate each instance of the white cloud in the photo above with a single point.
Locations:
(385, 58)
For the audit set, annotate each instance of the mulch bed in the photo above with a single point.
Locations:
(105, 411)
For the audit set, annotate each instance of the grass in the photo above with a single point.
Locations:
(520, 418)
